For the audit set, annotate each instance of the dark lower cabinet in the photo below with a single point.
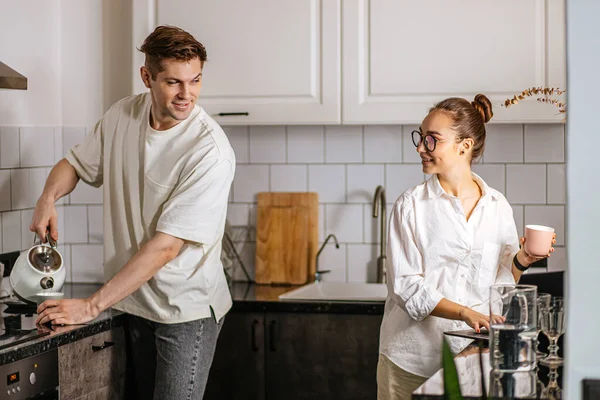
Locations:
(293, 356)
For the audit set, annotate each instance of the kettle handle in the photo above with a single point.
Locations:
(53, 243)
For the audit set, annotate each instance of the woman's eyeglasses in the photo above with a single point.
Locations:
(428, 140)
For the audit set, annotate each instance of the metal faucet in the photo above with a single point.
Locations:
(319, 273)
(379, 202)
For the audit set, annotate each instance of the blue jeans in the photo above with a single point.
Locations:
(172, 361)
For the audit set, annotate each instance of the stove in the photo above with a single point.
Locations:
(17, 324)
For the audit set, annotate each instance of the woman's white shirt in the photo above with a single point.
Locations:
(435, 253)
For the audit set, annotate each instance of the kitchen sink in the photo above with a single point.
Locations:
(338, 291)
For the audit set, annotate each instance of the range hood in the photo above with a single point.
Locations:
(11, 79)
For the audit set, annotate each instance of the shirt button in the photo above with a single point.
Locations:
(462, 275)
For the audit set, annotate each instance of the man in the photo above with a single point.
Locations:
(166, 168)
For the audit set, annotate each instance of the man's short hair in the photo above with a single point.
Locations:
(170, 42)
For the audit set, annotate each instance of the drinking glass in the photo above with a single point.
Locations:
(512, 340)
(543, 303)
(553, 325)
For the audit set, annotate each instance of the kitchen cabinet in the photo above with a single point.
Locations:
(93, 367)
(269, 61)
(281, 355)
(401, 56)
(368, 62)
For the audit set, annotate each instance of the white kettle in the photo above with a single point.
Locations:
(39, 273)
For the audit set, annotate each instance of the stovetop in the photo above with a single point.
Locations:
(17, 324)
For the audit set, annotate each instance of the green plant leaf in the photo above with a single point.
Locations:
(451, 383)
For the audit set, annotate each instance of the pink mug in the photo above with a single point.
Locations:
(538, 240)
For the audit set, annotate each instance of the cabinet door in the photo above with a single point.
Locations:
(238, 368)
(322, 356)
(400, 57)
(94, 367)
(277, 60)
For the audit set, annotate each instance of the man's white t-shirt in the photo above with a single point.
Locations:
(175, 181)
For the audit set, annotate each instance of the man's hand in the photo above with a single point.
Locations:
(66, 312)
(45, 218)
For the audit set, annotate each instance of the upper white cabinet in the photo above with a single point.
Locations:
(276, 60)
(365, 61)
(402, 56)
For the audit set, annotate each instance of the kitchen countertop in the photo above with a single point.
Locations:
(56, 336)
(249, 297)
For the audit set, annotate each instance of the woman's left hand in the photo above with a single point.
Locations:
(527, 259)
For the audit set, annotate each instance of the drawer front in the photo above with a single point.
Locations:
(91, 364)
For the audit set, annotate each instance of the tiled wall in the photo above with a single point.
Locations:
(343, 164)
(27, 155)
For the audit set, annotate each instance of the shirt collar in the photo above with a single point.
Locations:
(434, 188)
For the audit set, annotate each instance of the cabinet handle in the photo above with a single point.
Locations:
(104, 346)
(272, 335)
(254, 345)
(232, 114)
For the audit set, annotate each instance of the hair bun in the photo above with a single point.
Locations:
(483, 105)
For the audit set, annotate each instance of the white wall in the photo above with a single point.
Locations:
(583, 191)
(96, 51)
(30, 44)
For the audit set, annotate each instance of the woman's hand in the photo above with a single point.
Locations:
(527, 259)
(478, 320)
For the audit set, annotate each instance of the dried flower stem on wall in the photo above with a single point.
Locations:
(547, 92)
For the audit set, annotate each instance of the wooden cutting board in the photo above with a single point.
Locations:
(287, 234)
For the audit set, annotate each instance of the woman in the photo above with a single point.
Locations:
(450, 238)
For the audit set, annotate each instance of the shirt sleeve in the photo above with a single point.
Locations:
(405, 270)
(86, 157)
(510, 248)
(196, 210)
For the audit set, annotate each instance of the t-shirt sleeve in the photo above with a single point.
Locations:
(86, 157)
(196, 210)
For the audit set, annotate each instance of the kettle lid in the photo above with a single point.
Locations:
(45, 259)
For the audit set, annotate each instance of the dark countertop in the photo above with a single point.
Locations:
(248, 297)
(57, 336)
(469, 374)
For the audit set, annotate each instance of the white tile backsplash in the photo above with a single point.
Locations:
(329, 181)
(86, 194)
(545, 143)
(9, 147)
(288, 178)
(362, 263)
(37, 146)
(238, 138)
(87, 261)
(503, 143)
(267, 144)
(362, 182)
(343, 144)
(5, 200)
(76, 224)
(383, 144)
(343, 164)
(71, 136)
(399, 178)
(248, 181)
(345, 221)
(95, 224)
(493, 174)
(306, 144)
(556, 184)
(526, 183)
(333, 260)
(11, 231)
(552, 216)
